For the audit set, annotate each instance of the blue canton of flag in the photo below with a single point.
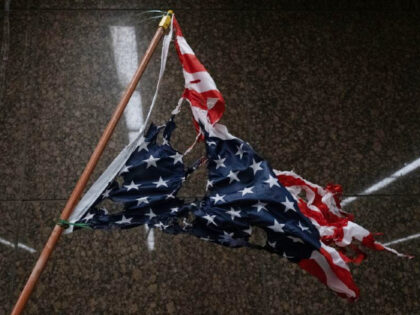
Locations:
(151, 177)
(243, 192)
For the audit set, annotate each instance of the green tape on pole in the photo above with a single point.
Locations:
(65, 224)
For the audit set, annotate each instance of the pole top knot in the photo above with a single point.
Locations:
(166, 20)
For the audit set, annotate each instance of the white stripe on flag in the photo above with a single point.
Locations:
(183, 46)
(332, 279)
(202, 81)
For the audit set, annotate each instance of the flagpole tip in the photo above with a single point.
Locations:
(166, 20)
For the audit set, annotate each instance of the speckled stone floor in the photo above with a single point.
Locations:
(331, 92)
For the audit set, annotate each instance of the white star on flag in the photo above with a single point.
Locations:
(277, 227)
(272, 244)
(272, 181)
(88, 217)
(218, 198)
(228, 238)
(248, 230)
(220, 162)
(255, 166)
(233, 176)
(161, 182)
(186, 223)
(209, 184)
(171, 195)
(142, 200)
(240, 151)
(106, 193)
(260, 206)
(151, 161)
(125, 169)
(210, 219)
(177, 158)
(161, 226)
(234, 213)
(289, 205)
(303, 228)
(143, 144)
(151, 214)
(124, 220)
(246, 190)
(132, 186)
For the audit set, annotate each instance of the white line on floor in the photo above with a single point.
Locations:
(404, 239)
(19, 245)
(386, 181)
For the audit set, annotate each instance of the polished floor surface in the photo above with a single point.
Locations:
(332, 94)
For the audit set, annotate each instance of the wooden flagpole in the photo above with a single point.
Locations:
(81, 183)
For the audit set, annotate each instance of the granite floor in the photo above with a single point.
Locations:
(331, 91)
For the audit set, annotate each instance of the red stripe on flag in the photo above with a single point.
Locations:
(314, 269)
(342, 274)
(191, 64)
(338, 279)
(178, 31)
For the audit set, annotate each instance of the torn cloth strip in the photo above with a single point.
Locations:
(336, 228)
(200, 88)
(322, 207)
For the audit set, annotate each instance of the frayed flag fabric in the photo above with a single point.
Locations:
(303, 222)
(322, 206)
(200, 89)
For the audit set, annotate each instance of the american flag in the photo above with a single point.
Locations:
(303, 222)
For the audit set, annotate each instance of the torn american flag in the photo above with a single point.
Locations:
(303, 222)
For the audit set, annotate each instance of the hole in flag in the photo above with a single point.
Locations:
(193, 187)
(119, 180)
(186, 221)
(161, 139)
(258, 236)
(111, 207)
